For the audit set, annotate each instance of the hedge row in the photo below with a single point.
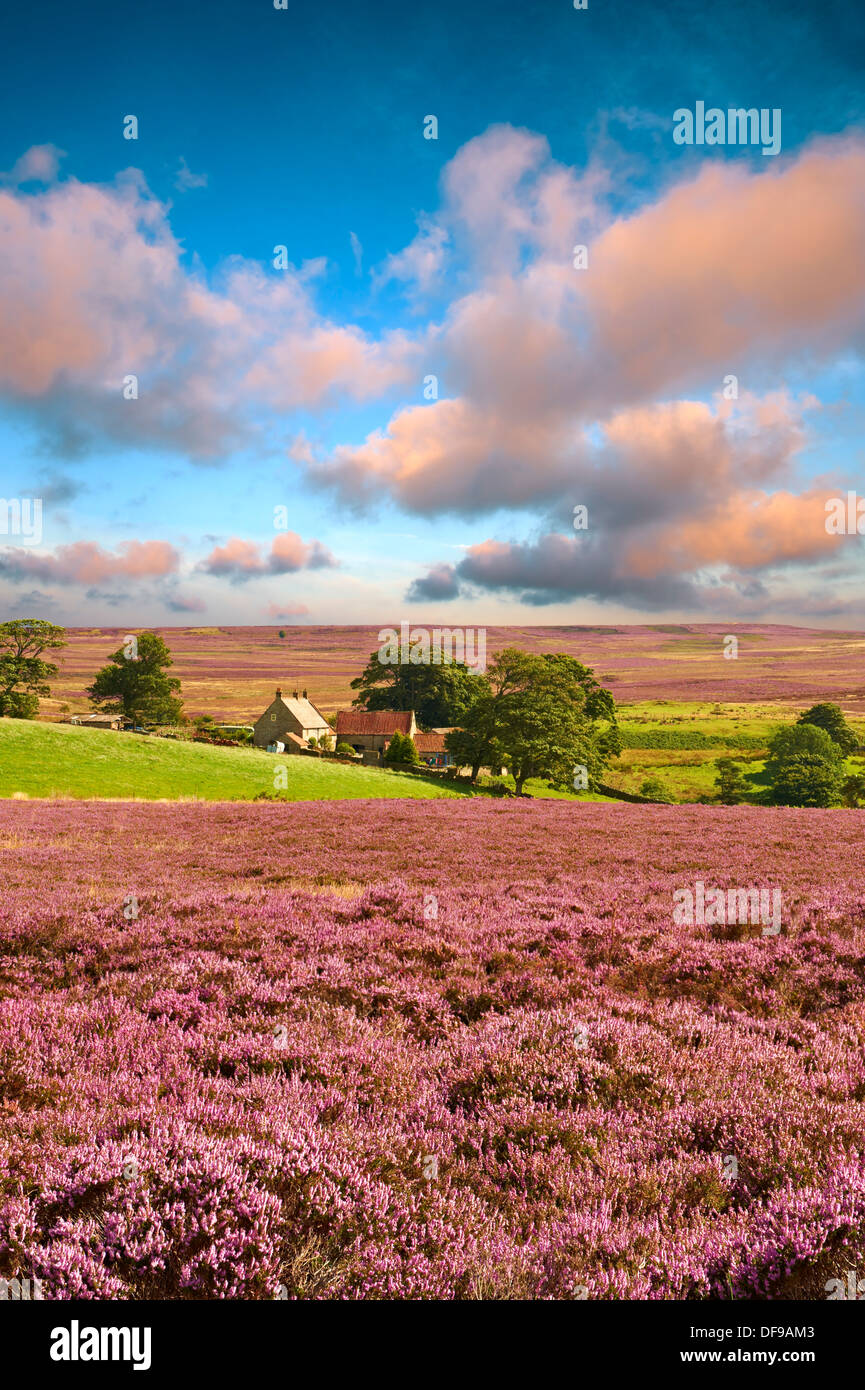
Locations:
(687, 738)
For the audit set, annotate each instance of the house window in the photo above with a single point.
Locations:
(273, 719)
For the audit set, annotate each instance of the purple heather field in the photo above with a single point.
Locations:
(428, 1050)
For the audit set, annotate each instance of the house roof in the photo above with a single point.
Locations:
(430, 743)
(290, 738)
(306, 713)
(374, 721)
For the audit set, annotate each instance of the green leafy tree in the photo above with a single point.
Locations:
(136, 686)
(654, 789)
(438, 695)
(730, 785)
(805, 767)
(24, 676)
(402, 750)
(543, 716)
(345, 749)
(475, 745)
(831, 718)
(853, 790)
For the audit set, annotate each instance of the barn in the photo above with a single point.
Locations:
(369, 731)
(99, 721)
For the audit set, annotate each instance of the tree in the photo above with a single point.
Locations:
(853, 790)
(805, 767)
(807, 780)
(402, 750)
(729, 783)
(653, 788)
(475, 746)
(438, 694)
(345, 750)
(282, 632)
(542, 716)
(24, 675)
(831, 718)
(137, 686)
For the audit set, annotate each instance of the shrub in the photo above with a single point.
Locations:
(654, 789)
(402, 750)
(729, 783)
(805, 767)
(345, 749)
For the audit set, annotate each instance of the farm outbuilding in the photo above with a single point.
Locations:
(99, 721)
(431, 748)
(370, 731)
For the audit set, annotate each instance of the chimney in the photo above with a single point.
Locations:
(295, 694)
(304, 694)
(278, 693)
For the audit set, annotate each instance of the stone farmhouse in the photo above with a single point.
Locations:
(291, 722)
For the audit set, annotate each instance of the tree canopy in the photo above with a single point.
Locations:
(438, 694)
(805, 767)
(830, 717)
(136, 686)
(541, 716)
(24, 676)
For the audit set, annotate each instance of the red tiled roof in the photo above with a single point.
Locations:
(376, 721)
(429, 743)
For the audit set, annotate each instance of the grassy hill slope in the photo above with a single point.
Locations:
(60, 760)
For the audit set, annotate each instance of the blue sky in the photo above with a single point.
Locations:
(409, 257)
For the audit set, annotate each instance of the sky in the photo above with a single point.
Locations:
(319, 345)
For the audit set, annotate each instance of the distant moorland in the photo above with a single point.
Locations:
(231, 672)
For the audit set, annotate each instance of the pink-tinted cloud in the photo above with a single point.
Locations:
(732, 264)
(674, 456)
(284, 612)
(420, 264)
(747, 530)
(182, 603)
(655, 565)
(39, 164)
(734, 267)
(92, 290)
(239, 560)
(84, 562)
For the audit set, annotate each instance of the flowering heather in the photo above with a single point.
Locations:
(428, 1050)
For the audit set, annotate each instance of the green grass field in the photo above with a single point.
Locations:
(44, 760)
(741, 731)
